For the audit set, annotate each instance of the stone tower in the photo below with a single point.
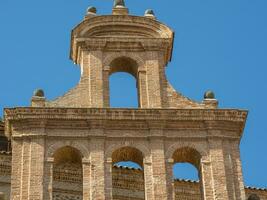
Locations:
(79, 130)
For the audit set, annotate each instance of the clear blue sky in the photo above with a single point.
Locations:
(219, 45)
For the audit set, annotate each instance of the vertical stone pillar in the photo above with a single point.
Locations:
(219, 181)
(16, 168)
(158, 169)
(86, 178)
(148, 179)
(170, 182)
(25, 169)
(153, 80)
(96, 79)
(237, 172)
(142, 89)
(206, 179)
(108, 178)
(97, 169)
(106, 86)
(84, 84)
(37, 154)
(48, 179)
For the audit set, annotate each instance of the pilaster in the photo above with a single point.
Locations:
(97, 169)
(218, 179)
(153, 79)
(158, 169)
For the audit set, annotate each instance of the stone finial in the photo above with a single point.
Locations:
(253, 197)
(119, 3)
(38, 99)
(209, 99)
(91, 12)
(209, 95)
(38, 93)
(119, 8)
(150, 13)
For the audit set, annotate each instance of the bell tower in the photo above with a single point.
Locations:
(80, 134)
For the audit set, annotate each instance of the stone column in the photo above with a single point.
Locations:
(108, 178)
(159, 177)
(36, 165)
(142, 89)
(237, 172)
(96, 79)
(48, 179)
(170, 179)
(218, 179)
(16, 168)
(86, 178)
(153, 79)
(206, 179)
(148, 179)
(97, 169)
(25, 168)
(106, 89)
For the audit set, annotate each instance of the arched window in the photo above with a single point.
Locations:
(123, 83)
(127, 174)
(253, 197)
(123, 92)
(2, 196)
(187, 173)
(67, 174)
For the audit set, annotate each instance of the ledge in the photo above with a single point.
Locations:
(125, 114)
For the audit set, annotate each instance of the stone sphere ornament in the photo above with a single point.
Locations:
(149, 12)
(119, 3)
(209, 95)
(38, 93)
(92, 10)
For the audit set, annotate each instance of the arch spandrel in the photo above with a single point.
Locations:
(141, 147)
(200, 148)
(60, 144)
(132, 56)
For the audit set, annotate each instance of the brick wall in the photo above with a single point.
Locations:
(128, 184)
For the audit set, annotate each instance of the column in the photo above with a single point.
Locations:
(153, 80)
(86, 178)
(96, 79)
(48, 179)
(149, 195)
(142, 89)
(16, 168)
(108, 178)
(206, 179)
(36, 168)
(170, 179)
(219, 182)
(237, 172)
(97, 169)
(158, 169)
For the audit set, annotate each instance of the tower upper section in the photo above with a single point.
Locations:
(139, 45)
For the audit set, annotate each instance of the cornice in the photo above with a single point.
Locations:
(21, 113)
(210, 120)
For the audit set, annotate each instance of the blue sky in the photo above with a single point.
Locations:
(219, 45)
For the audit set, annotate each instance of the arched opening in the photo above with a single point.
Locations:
(127, 174)
(67, 174)
(187, 174)
(253, 197)
(2, 196)
(123, 83)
